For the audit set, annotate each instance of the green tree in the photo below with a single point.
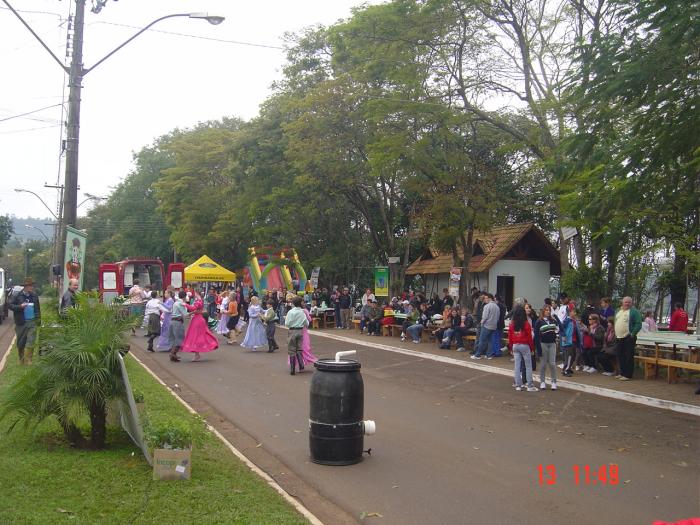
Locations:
(6, 230)
(77, 374)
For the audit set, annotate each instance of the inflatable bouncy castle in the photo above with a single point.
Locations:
(274, 268)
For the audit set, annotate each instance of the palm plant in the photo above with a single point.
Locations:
(77, 375)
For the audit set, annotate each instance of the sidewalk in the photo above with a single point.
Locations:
(659, 393)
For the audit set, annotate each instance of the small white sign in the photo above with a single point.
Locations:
(394, 260)
(180, 468)
(568, 232)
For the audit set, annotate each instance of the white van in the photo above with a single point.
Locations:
(3, 295)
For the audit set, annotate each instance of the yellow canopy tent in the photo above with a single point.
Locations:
(205, 269)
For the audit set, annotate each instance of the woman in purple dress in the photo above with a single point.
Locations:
(163, 343)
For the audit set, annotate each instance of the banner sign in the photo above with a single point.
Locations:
(381, 281)
(568, 232)
(74, 257)
(455, 276)
(314, 276)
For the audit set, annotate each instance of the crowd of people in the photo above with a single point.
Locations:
(226, 313)
(592, 339)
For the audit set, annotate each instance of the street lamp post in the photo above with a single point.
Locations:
(76, 73)
(29, 226)
(27, 251)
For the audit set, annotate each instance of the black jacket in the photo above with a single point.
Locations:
(16, 306)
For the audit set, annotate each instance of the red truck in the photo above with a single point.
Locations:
(117, 278)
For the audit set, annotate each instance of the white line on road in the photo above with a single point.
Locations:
(653, 402)
(252, 466)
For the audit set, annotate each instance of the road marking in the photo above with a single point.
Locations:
(252, 466)
(393, 365)
(566, 406)
(459, 383)
(639, 399)
(3, 361)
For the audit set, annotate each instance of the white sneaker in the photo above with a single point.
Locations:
(591, 370)
(475, 357)
(561, 365)
(554, 386)
(446, 340)
(543, 385)
(414, 341)
(403, 337)
(518, 388)
(461, 349)
(579, 368)
(532, 389)
(609, 374)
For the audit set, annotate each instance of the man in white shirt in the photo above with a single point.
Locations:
(154, 307)
(295, 321)
(367, 297)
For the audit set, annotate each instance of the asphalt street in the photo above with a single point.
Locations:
(453, 445)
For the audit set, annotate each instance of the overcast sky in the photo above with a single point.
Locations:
(157, 83)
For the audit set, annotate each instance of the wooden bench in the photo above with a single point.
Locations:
(355, 324)
(315, 322)
(652, 364)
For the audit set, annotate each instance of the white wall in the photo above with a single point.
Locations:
(531, 279)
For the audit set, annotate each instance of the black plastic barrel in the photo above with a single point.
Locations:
(337, 398)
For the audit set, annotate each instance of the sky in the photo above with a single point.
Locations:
(158, 82)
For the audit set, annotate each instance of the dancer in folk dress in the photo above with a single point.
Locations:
(255, 336)
(198, 337)
(307, 354)
(163, 344)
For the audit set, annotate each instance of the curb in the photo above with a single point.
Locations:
(654, 402)
(252, 466)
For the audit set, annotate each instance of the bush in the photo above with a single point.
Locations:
(165, 431)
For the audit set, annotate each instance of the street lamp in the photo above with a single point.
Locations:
(29, 226)
(90, 197)
(26, 261)
(76, 72)
(20, 190)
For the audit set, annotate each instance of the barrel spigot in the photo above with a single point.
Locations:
(338, 355)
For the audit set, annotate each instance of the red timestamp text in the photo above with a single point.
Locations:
(582, 474)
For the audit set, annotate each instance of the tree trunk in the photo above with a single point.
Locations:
(98, 423)
(73, 435)
(679, 284)
(612, 256)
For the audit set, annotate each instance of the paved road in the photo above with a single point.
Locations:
(456, 445)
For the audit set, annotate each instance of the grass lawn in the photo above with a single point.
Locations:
(43, 480)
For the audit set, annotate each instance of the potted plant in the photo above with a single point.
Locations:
(171, 438)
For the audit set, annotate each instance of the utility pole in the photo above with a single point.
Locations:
(57, 234)
(75, 84)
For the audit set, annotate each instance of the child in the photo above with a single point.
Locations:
(546, 342)
(269, 318)
(570, 341)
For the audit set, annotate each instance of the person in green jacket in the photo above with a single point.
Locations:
(628, 323)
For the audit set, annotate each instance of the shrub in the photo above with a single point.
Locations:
(165, 431)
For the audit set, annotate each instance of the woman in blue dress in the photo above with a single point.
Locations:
(255, 336)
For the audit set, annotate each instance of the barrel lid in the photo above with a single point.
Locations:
(331, 365)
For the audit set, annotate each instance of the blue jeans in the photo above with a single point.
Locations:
(414, 331)
(496, 343)
(485, 335)
(522, 354)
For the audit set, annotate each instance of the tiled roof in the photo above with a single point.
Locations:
(495, 244)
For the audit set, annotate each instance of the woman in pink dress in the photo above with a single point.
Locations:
(306, 352)
(198, 337)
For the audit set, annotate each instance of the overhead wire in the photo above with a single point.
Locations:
(30, 112)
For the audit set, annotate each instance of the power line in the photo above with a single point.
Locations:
(29, 112)
(28, 129)
(222, 40)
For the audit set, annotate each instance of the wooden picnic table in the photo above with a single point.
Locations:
(669, 342)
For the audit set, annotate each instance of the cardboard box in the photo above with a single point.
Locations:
(170, 464)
